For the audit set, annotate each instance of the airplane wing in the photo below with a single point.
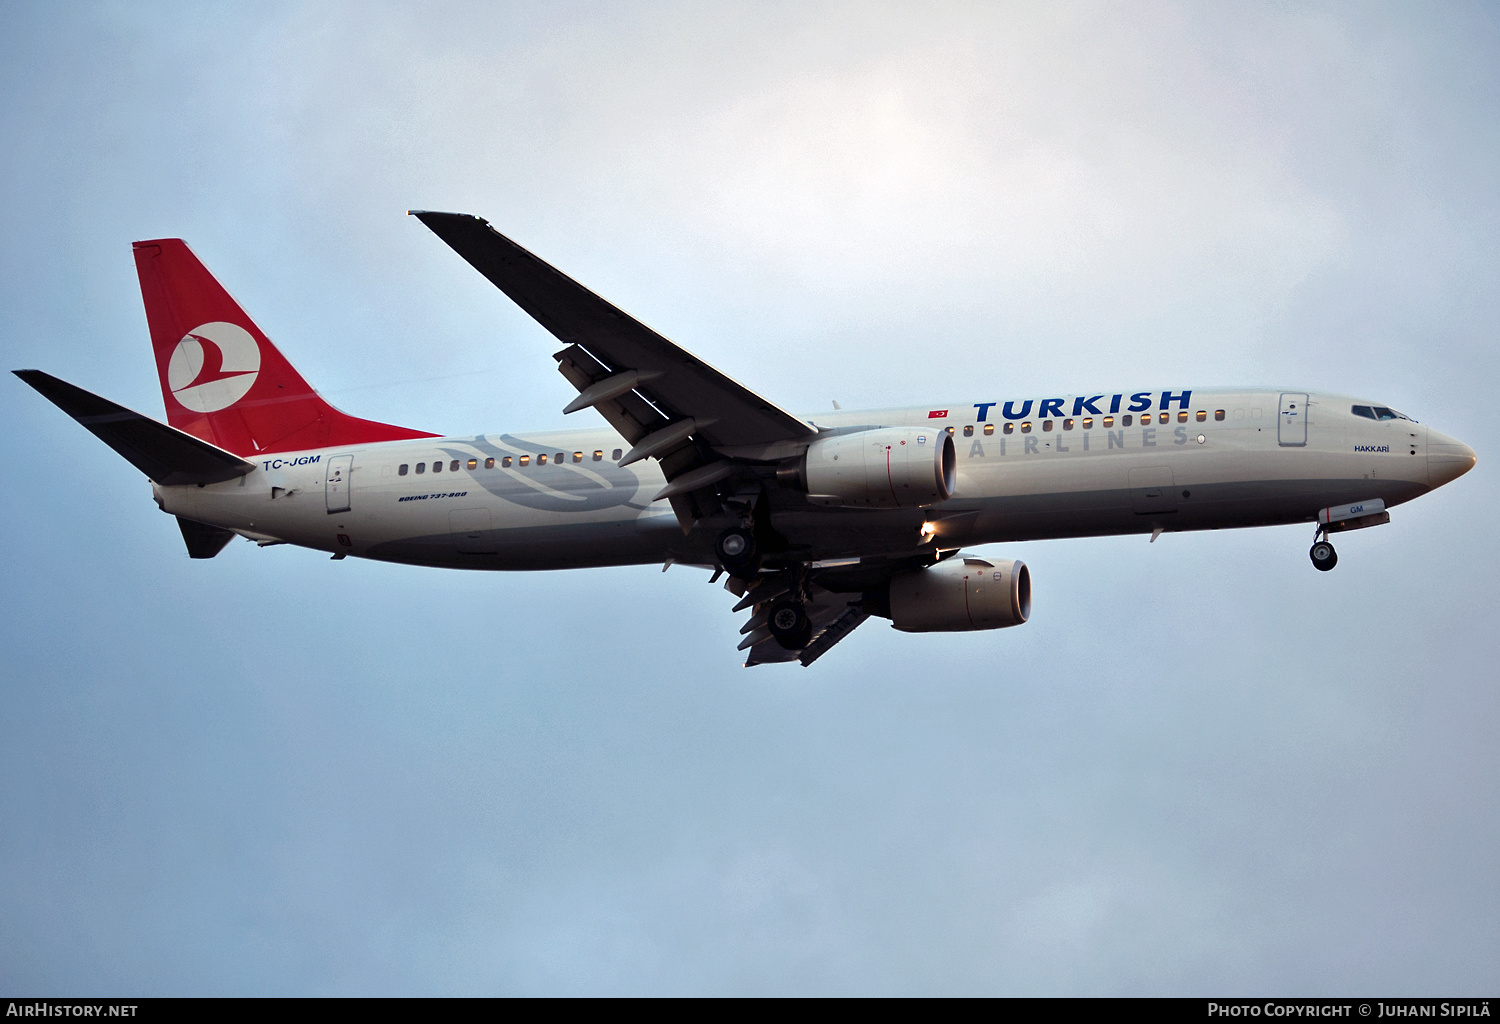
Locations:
(666, 402)
(163, 453)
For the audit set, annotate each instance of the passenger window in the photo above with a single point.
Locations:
(1026, 427)
(401, 469)
(1067, 424)
(617, 454)
(969, 431)
(489, 463)
(1165, 417)
(1088, 423)
(1202, 415)
(421, 467)
(1109, 421)
(598, 456)
(473, 463)
(578, 456)
(989, 428)
(1010, 428)
(437, 467)
(1182, 416)
(541, 460)
(949, 430)
(1124, 420)
(525, 460)
(1046, 426)
(562, 457)
(453, 465)
(1218, 415)
(505, 462)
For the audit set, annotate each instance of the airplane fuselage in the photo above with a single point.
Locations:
(1081, 466)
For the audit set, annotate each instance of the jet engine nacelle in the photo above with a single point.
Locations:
(961, 594)
(892, 467)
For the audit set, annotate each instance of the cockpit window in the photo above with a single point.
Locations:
(1379, 412)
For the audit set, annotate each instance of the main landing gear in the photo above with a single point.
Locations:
(741, 550)
(736, 550)
(789, 624)
(787, 620)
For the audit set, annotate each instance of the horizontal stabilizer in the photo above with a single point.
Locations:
(165, 454)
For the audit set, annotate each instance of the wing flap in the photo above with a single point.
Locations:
(634, 419)
(835, 631)
(628, 413)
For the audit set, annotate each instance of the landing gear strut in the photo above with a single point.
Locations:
(1323, 556)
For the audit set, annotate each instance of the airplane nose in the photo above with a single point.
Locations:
(1447, 459)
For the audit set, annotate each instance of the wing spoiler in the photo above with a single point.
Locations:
(165, 454)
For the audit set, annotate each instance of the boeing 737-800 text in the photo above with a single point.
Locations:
(819, 522)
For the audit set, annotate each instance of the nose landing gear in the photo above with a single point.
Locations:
(1338, 518)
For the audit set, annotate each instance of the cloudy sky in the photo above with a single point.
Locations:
(1202, 768)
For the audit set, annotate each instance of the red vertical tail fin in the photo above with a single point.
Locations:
(221, 378)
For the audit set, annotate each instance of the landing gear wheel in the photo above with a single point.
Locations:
(1323, 556)
(735, 549)
(789, 624)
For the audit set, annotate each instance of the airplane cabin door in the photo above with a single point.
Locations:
(336, 482)
(1291, 423)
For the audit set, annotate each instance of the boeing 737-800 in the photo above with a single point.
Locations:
(819, 522)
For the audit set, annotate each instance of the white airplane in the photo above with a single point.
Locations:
(819, 522)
